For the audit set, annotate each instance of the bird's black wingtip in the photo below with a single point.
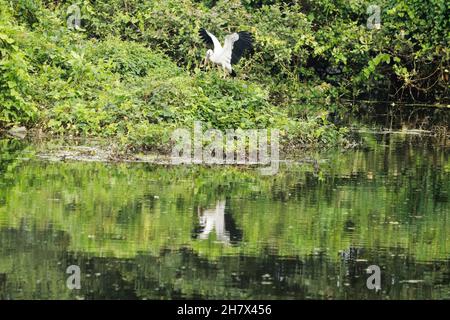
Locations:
(233, 74)
(246, 35)
(205, 36)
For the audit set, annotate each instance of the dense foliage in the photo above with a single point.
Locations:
(132, 69)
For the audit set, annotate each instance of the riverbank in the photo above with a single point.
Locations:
(56, 149)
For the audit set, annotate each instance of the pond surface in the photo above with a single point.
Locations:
(142, 231)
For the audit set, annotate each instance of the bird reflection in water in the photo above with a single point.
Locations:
(217, 220)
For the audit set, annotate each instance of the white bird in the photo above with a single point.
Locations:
(235, 45)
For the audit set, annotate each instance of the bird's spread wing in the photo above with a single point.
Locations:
(236, 44)
(210, 39)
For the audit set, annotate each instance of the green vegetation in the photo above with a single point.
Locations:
(132, 72)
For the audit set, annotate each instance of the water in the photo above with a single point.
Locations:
(140, 231)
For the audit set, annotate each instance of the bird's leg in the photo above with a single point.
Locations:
(224, 72)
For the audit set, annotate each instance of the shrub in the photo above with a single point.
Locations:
(15, 102)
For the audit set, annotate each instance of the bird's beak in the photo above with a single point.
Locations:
(206, 61)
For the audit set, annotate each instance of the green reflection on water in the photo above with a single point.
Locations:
(146, 231)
